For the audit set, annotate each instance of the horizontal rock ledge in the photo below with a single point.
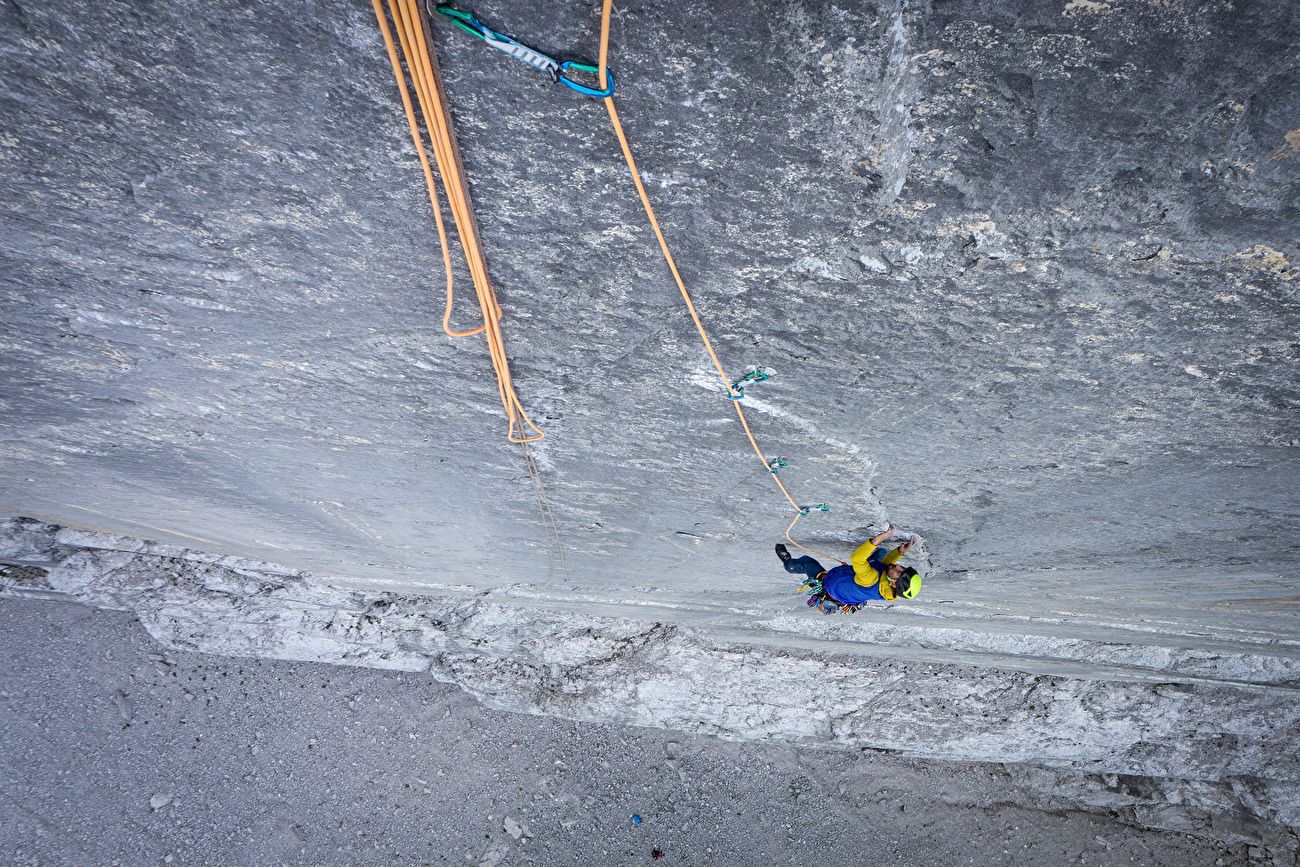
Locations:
(1194, 737)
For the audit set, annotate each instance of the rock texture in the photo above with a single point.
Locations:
(268, 762)
(1026, 274)
(1212, 759)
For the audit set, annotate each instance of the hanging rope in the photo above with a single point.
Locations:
(458, 196)
(800, 511)
(427, 81)
(429, 91)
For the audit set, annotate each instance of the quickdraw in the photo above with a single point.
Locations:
(516, 49)
(819, 599)
(556, 70)
(738, 387)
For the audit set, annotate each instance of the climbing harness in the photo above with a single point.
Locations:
(516, 49)
(824, 602)
(426, 79)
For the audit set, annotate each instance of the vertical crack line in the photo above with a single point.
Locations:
(899, 94)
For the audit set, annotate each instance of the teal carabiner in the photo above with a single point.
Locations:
(464, 20)
(516, 49)
(500, 41)
(582, 88)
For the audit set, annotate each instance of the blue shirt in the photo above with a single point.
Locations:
(843, 589)
(853, 584)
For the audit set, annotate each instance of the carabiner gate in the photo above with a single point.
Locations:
(582, 88)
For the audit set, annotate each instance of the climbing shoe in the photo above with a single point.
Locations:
(782, 552)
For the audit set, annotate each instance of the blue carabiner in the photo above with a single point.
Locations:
(582, 88)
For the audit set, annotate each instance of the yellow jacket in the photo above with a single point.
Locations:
(865, 571)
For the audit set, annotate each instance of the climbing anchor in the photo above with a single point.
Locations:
(774, 463)
(820, 507)
(516, 49)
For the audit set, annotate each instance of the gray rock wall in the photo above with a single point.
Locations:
(1025, 272)
(1157, 748)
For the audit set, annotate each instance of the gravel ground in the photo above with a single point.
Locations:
(119, 754)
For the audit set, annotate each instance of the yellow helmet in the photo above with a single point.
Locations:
(909, 583)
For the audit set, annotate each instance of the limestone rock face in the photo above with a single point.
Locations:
(1025, 273)
(1132, 732)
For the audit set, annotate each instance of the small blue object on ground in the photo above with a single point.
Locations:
(636, 820)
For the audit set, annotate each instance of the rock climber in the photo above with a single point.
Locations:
(871, 574)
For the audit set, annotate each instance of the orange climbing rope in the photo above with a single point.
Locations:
(672, 266)
(410, 24)
(425, 76)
